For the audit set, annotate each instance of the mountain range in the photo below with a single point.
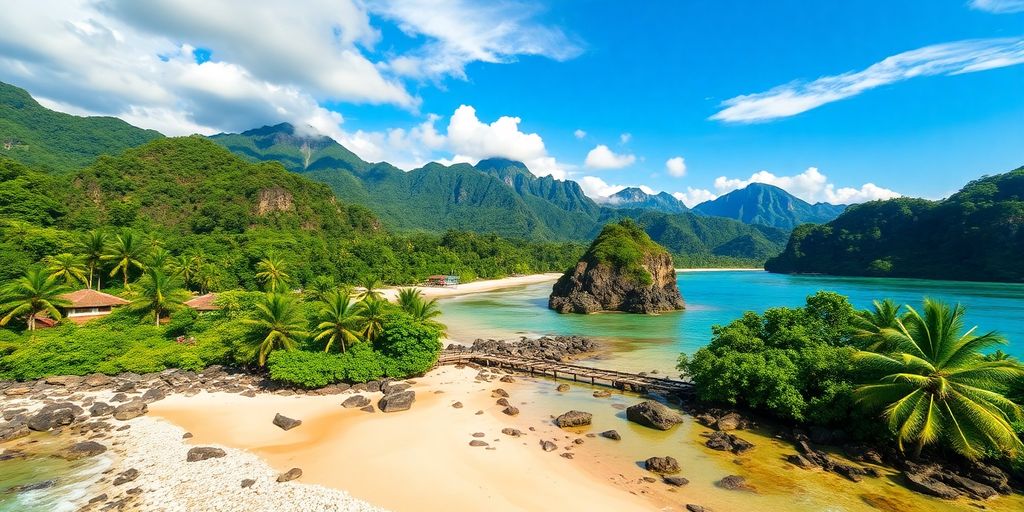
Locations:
(760, 203)
(496, 195)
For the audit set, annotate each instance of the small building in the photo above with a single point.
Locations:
(87, 305)
(443, 281)
(203, 303)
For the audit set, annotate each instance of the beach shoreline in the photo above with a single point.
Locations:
(485, 285)
(736, 269)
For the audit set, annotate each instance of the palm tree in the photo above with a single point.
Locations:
(408, 297)
(185, 267)
(371, 312)
(32, 294)
(161, 258)
(339, 320)
(424, 311)
(209, 277)
(67, 267)
(321, 287)
(876, 328)
(278, 323)
(159, 293)
(126, 251)
(273, 272)
(370, 289)
(93, 245)
(937, 386)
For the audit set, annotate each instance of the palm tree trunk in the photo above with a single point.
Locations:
(32, 321)
(918, 447)
(90, 276)
(157, 314)
(125, 272)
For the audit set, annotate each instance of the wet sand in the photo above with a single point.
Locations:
(416, 460)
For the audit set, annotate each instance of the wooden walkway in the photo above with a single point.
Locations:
(567, 371)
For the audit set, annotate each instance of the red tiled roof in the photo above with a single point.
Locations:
(203, 302)
(92, 299)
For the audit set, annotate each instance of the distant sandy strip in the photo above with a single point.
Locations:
(720, 270)
(476, 286)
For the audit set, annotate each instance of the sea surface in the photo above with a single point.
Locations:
(643, 343)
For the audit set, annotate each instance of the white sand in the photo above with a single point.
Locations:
(475, 286)
(416, 460)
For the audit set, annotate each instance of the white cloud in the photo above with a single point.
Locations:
(602, 157)
(998, 6)
(958, 57)
(271, 61)
(694, 196)
(625, 138)
(811, 186)
(462, 31)
(676, 166)
(579, 134)
(597, 189)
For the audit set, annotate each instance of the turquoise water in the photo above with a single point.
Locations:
(642, 343)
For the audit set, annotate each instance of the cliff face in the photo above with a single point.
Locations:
(622, 271)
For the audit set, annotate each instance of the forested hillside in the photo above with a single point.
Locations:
(58, 142)
(976, 234)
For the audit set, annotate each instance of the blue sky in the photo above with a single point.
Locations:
(799, 94)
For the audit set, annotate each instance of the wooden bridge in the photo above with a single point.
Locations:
(595, 376)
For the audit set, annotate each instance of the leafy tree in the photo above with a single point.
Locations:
(161, 258)
(277, 324)
(371, 312)
(371, 289)
(67, 267)
(186, 267)
(339, 320)
(159, 293)
(411, 301)
(272, 271)
(93, 244)
(31, 295)
(126, 251)
(321, 287)
(937, 387)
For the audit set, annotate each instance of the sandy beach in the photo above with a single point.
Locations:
(474, 287)
(416, 460)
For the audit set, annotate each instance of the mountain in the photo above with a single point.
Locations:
(976, 234)
(56, 142)
(496, 195)
(634, 198)
(760, 203)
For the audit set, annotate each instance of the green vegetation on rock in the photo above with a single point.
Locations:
(624, 246)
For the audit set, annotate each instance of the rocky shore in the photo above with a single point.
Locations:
(551, 348)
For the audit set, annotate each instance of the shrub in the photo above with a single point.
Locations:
(305, 369)
(412, 346)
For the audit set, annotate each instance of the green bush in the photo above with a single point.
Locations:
(304, 368)
(412, 346)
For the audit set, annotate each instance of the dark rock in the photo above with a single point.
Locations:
(96, 380)
(653, 415)
(69, 381)
(611, 434)
(81, 450)
(247, 483)
(548, 446)
(727, 442)
(457, 405)
(118, 398)
(562, 388)
(690, 507)
(498, 392)
(503, 402)
(662, 465)
(925, 484)
(98, 499)
(477, 443)
(130, 410)
(101, 409)
(393, 387)
(514, 432)
(285, 422)
(368, 408)
(507, 379)
(574, 419)
(9, 414)
(53, 416)
(510, 410)
(676, 481)
(594, 285)
(187, 435)
(355, 401)
(565, 455)
(34, 486)
(549, 348)
(289, 475)
(126, 476)
(730, 421)
(397, 401)
(154, 394)
(734, 483)
(200, 453)
(601, 393)
(373, 386)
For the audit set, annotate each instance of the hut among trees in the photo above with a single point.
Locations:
(85, 305)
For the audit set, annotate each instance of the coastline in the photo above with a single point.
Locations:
(727, 269)
(486, 285)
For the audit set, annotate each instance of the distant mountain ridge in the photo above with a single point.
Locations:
(497, 195)
(633, 197)
(56, 142)
(760, 203)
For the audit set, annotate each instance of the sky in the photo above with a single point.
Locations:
(841, 102)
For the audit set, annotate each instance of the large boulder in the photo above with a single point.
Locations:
(286, 423)
(129, 410)
(355, 402)
(573, 419)
(82, 450)
(623, 270)
(662, 465)
(653, 414)
(53, 416)
(394, 402)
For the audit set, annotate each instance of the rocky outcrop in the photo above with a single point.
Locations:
(400, 401)
(652, 414)
(550, 348)
(355, 402)
(286, 423)
(573, 419)
(274, 199)
(623, 270)
(728, 443)
(200, 453)
(662, 465)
